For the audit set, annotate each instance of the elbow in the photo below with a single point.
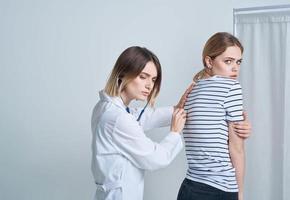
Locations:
(162, 163)
(156, 166)
(152, 163)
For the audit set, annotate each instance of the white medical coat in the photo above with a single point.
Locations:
(121, 152)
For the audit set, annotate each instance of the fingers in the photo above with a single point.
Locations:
(175, 110)
(184, 96)
(239, 131)
(178, 120)
(182, 102)
(243, 125)
(243, 130)
(243, 135)
(180, 112)
(245, 115)
(188, 90)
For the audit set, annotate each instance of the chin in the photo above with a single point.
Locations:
(142, 98)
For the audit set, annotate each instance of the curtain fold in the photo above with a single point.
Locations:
(265, 77)
(286, 181)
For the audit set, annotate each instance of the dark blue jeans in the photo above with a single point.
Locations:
(191, 190)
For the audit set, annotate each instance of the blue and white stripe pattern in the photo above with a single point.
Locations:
(210, 105)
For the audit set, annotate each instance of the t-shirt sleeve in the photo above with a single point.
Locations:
(233, 103)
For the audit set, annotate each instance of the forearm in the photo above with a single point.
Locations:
(156, 118)
(237, 153)
(238, 161)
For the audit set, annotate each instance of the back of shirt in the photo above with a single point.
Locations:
(210, 105)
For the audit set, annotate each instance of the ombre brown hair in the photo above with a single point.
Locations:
(215, 46)
(128, 66)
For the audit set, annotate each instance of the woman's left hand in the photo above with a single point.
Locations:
(184, 97)
(243, 128)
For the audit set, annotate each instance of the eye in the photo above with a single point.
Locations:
(228, 62)
(239, 62)
(154, 80)
(142, 76)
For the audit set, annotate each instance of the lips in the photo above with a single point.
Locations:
(145, 93)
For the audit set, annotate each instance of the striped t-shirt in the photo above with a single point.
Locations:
(209, 106)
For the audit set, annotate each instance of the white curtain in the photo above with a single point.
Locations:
(265, 77)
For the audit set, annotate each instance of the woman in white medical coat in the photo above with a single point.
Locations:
(121, 150)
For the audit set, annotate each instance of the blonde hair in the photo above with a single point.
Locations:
(215, 46)
(128, 66)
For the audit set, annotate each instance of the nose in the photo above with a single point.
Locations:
(149, 85)
(235, 68)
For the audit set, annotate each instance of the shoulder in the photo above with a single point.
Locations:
(119, 123)
(126, 122)
(232, 84)
(226, 80)
(216, 84)
(217, 80)
(124, 118)
(109, 114)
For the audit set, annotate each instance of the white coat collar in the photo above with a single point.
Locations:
(115, 100)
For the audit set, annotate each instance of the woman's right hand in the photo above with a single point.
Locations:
(178, 120)
(243, 128)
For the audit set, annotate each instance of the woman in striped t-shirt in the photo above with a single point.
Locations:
(214, 150)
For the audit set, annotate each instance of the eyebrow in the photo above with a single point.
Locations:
(234, 58)
(148, 74)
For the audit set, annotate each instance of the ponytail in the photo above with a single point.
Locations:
(200, 75)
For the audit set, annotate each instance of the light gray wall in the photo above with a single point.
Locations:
(54, 57)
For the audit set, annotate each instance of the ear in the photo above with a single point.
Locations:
(119, 81)
(208, 62)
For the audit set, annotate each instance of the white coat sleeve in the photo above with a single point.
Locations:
(154, 117)
(130, 141)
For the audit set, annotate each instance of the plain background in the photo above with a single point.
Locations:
(54, 58)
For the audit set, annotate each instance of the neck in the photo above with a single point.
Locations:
(126, 100)
(208, 73)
